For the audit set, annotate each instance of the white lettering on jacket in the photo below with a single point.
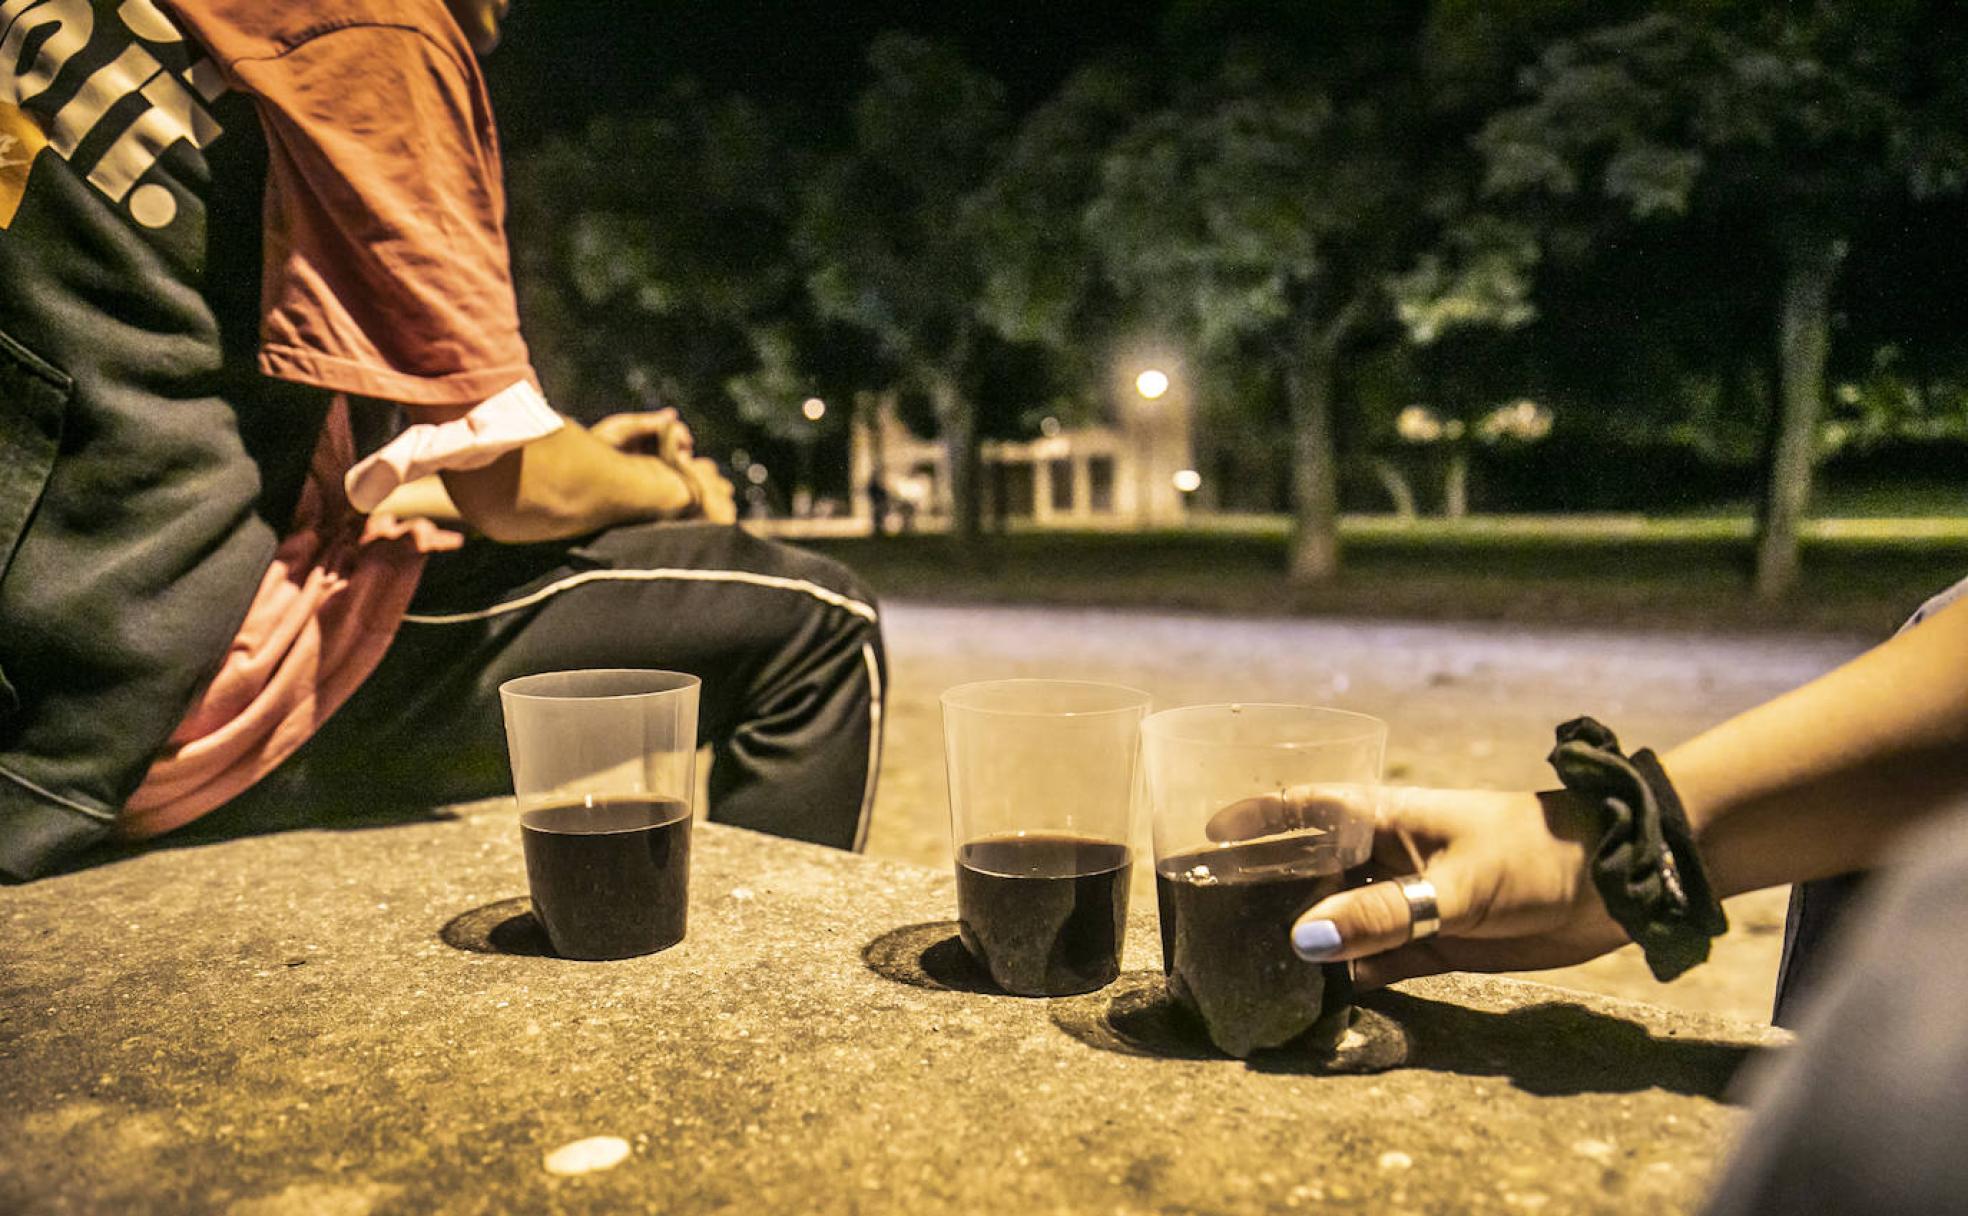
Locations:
(173, 107)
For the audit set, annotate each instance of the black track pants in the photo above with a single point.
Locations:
(786, 642)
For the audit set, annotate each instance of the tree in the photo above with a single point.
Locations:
(1044, 285)
(653, 255)
(1226, 213)
(1801, 118)
(1902, 355)
(890, 230)
(1274, 202)
(799, 357)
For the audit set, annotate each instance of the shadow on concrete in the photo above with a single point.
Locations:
(505, 927)
(1136, 1016)
(928, 955)
(1551, 1049)
(200, 834)
(1558, 1048)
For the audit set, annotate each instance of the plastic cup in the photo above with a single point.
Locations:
(604, 767)
(1043, 781)
(1259, 812)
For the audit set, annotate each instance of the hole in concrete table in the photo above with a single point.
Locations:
(928, 955)
(505, 927)
(1135, 1016)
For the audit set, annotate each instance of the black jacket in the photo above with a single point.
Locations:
(146, 468)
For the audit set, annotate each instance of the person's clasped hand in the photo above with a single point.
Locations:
(665, 436)
(1510, 871)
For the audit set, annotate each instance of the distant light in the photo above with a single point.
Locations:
(757, 474)
(1188, 481)
(1418, 424)
(1049, 427)
(1151, 383)
(814, 409)
(741, 459)
(1523, 420)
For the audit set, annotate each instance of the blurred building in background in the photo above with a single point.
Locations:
(1136, 471)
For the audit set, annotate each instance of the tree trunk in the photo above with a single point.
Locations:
(868, 461)
(1395, 482)
(958, 423)
(1803, 338)
(1315, 463)
(1455, 483)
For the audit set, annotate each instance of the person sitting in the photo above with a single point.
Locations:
(258, 307)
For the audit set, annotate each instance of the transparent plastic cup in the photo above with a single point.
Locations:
(1043, 791)
(1259, 812)
(604, 767)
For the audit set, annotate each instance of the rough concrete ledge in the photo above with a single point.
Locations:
(354, 1022)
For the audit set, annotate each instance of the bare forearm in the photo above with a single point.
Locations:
(424, 498)
(1825, 778)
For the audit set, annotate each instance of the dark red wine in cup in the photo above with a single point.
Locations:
(609, 876)
(1044, 914)
(1226, 918)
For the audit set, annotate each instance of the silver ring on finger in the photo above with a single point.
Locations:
(1424, 918)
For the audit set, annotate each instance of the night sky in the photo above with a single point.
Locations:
(565, 60)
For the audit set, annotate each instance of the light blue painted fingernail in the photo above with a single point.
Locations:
(1315, 940)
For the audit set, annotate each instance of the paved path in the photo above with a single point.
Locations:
(1469, 705)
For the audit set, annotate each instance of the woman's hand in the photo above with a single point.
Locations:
(1510, 871)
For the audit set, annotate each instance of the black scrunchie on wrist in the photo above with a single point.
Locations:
(1644, 865)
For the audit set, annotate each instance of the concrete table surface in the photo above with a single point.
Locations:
(347, 1022)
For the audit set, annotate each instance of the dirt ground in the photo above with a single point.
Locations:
(1469, 705)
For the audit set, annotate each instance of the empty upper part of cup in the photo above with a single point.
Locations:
(1221, 774)
(1033, 757)
(602, 734)
(599, 683)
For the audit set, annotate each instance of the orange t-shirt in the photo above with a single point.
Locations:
(387, 273)
(386, 276)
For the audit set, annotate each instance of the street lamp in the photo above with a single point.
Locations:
(1418, 424)
(1151, 383)
(813, 409)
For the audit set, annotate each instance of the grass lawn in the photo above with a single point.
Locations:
(1903, 500)
(1861, 575)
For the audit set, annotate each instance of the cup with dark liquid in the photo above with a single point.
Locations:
(604, 766)
(1043, 784)
(1259, 812)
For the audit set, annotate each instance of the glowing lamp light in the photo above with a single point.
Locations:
(757, 474)
(1523, 420)
(814, 409)
(1418, 424)
(1152, 383)
(1188, 481)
